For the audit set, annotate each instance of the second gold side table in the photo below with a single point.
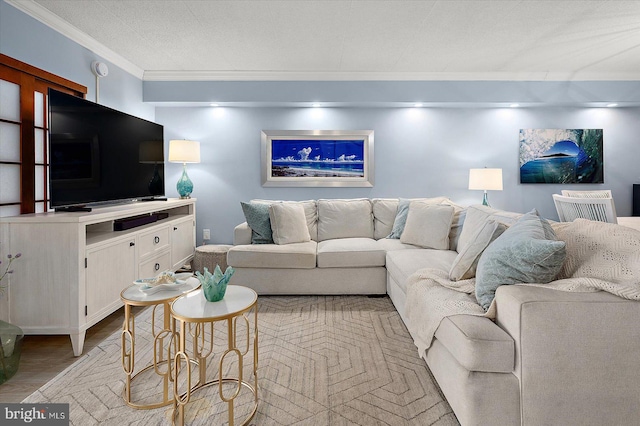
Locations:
(193, 310)
(133, 296)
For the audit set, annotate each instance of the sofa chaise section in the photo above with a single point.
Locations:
(576, 355)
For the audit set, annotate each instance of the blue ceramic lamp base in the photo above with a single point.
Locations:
(184, 185)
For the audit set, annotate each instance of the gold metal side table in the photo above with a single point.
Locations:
(133, 296)
(194, 310)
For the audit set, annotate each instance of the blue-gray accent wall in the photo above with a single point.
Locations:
(419, 152)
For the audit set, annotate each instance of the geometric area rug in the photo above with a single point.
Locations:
(323, 360)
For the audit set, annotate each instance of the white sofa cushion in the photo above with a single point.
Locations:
(350, 253)
(344, 219)
(388, 244)
(384, 213)
(294, 256)
(288, 223)
(402, 263)
(428, 225)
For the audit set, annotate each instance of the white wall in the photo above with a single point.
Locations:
(418, 152)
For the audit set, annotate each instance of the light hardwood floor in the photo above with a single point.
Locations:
(43, 357)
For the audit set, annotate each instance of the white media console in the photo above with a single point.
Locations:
(74, 265)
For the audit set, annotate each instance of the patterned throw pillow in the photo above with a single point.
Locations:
(527, 252)
(257, 216)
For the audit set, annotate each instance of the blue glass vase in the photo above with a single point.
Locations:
(184, 185)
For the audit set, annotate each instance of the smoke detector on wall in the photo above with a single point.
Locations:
(100, 69)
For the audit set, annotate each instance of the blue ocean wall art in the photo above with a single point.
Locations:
(561, 156)
(320, 158)
(317, 158)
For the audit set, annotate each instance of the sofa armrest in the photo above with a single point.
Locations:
(242, 234)
(576, 354)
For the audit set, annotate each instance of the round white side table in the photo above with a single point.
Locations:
(133, 296)
(194, 309)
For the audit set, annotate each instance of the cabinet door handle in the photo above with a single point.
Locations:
(131, 244)
(156, 240)
(175, 228)
(157, 267)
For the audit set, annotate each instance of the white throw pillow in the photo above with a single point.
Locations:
(464, 266)
(288, 223)
(428, 225)
(476, 216)
(310, 211)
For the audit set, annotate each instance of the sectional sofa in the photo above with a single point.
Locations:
(548, 357)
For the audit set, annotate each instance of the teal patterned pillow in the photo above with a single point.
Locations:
(401, 219)
(257, 216)
(527, 252)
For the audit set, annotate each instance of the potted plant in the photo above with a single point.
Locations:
(10, 335)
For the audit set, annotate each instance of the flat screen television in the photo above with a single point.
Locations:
(98, 154)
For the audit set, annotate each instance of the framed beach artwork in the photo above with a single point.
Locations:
(561, 156)
(317, 158)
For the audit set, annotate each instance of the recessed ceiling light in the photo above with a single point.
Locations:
(418, 105)
(315, 105)
(214, 105)
(612, 105)
(514, 105)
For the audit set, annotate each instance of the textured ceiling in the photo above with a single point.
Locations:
(446, 39)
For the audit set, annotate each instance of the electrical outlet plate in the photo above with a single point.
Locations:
(206, 234)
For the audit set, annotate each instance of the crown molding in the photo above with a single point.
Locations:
(54, 22)
(385, 76)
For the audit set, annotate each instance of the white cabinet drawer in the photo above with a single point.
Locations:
(154, 266)
(153, 241)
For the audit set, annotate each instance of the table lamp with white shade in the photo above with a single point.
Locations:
(184, 151)
(485, 180)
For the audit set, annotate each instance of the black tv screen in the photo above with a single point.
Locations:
(98, 154)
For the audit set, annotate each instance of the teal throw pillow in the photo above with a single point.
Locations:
(257, 216)
(401, 219)
(527, 252)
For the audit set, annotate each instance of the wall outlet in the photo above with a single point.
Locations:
(206, 234)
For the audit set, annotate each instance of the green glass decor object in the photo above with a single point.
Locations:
(215, 285)
(184, 185)
(10, 349)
